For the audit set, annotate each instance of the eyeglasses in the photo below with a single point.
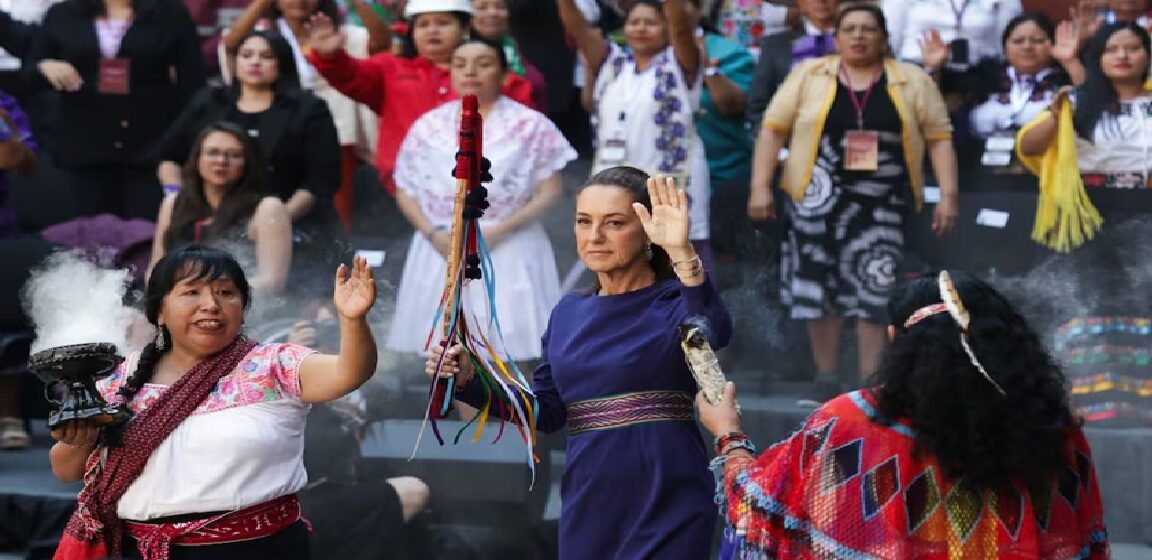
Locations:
(230, 155)
(863, 30)
(1021, 41)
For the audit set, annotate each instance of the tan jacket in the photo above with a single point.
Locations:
(801, 106)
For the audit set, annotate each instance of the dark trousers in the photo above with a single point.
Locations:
(128, 191)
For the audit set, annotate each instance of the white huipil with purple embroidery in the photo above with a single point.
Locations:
(652, 112)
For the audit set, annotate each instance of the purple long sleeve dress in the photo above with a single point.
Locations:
(636, 484)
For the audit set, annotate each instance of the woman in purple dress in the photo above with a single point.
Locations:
(636, 484)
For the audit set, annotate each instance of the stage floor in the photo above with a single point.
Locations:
(28, 471)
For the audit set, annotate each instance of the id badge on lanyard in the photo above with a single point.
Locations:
(114, 76)
(861, 150)
(998, 149)
(861, 147)
(615, 150)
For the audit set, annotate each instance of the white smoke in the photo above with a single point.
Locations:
(70, 300)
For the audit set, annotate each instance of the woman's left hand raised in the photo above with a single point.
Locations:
(667, 224)
(355, 290)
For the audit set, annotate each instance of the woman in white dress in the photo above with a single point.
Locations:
(527, 152)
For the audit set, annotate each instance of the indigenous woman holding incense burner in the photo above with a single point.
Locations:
(857, 126)
(614, 375)
(964, 447)
(209, 465)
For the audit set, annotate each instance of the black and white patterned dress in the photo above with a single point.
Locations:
(845, 240)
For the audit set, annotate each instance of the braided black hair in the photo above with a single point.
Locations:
(191, 262)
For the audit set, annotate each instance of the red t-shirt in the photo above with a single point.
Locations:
(400, 90)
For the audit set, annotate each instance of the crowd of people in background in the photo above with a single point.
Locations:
(248, 124)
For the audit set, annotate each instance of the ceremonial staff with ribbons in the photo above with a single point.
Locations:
(469, 259)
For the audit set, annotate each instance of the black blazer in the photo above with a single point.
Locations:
(774, 65)
(297, 137)
(120, 129)
(15, 36)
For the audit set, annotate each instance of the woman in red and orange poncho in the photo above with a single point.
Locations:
(964, 448)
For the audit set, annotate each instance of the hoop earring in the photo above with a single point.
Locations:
(161, 342)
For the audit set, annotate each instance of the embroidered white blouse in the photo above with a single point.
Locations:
(242, 446)
(1018, 107)
(1122, 143)
(981, 22)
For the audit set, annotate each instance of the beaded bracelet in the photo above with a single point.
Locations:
(721, 441)
(745, 444)
(697, 272)
(695, 258)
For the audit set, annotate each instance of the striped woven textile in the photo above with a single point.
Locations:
(627, 409)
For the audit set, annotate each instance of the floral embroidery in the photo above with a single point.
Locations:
(270, 372)
(743, 22)
(529, 147)
(1042, 87)
(673, 134)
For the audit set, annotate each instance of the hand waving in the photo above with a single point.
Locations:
(1082, 15)
(667, 224)
(934, 51)
(355, 291)
(323, 37)
(1067, 46)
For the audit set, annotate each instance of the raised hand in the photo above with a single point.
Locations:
(667, 223)
(934, 51)
(355, 290)
(1083, 17)
(1067, 45)
(323, 37)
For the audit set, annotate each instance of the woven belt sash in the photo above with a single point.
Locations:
(258, 521)
(628, 409)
